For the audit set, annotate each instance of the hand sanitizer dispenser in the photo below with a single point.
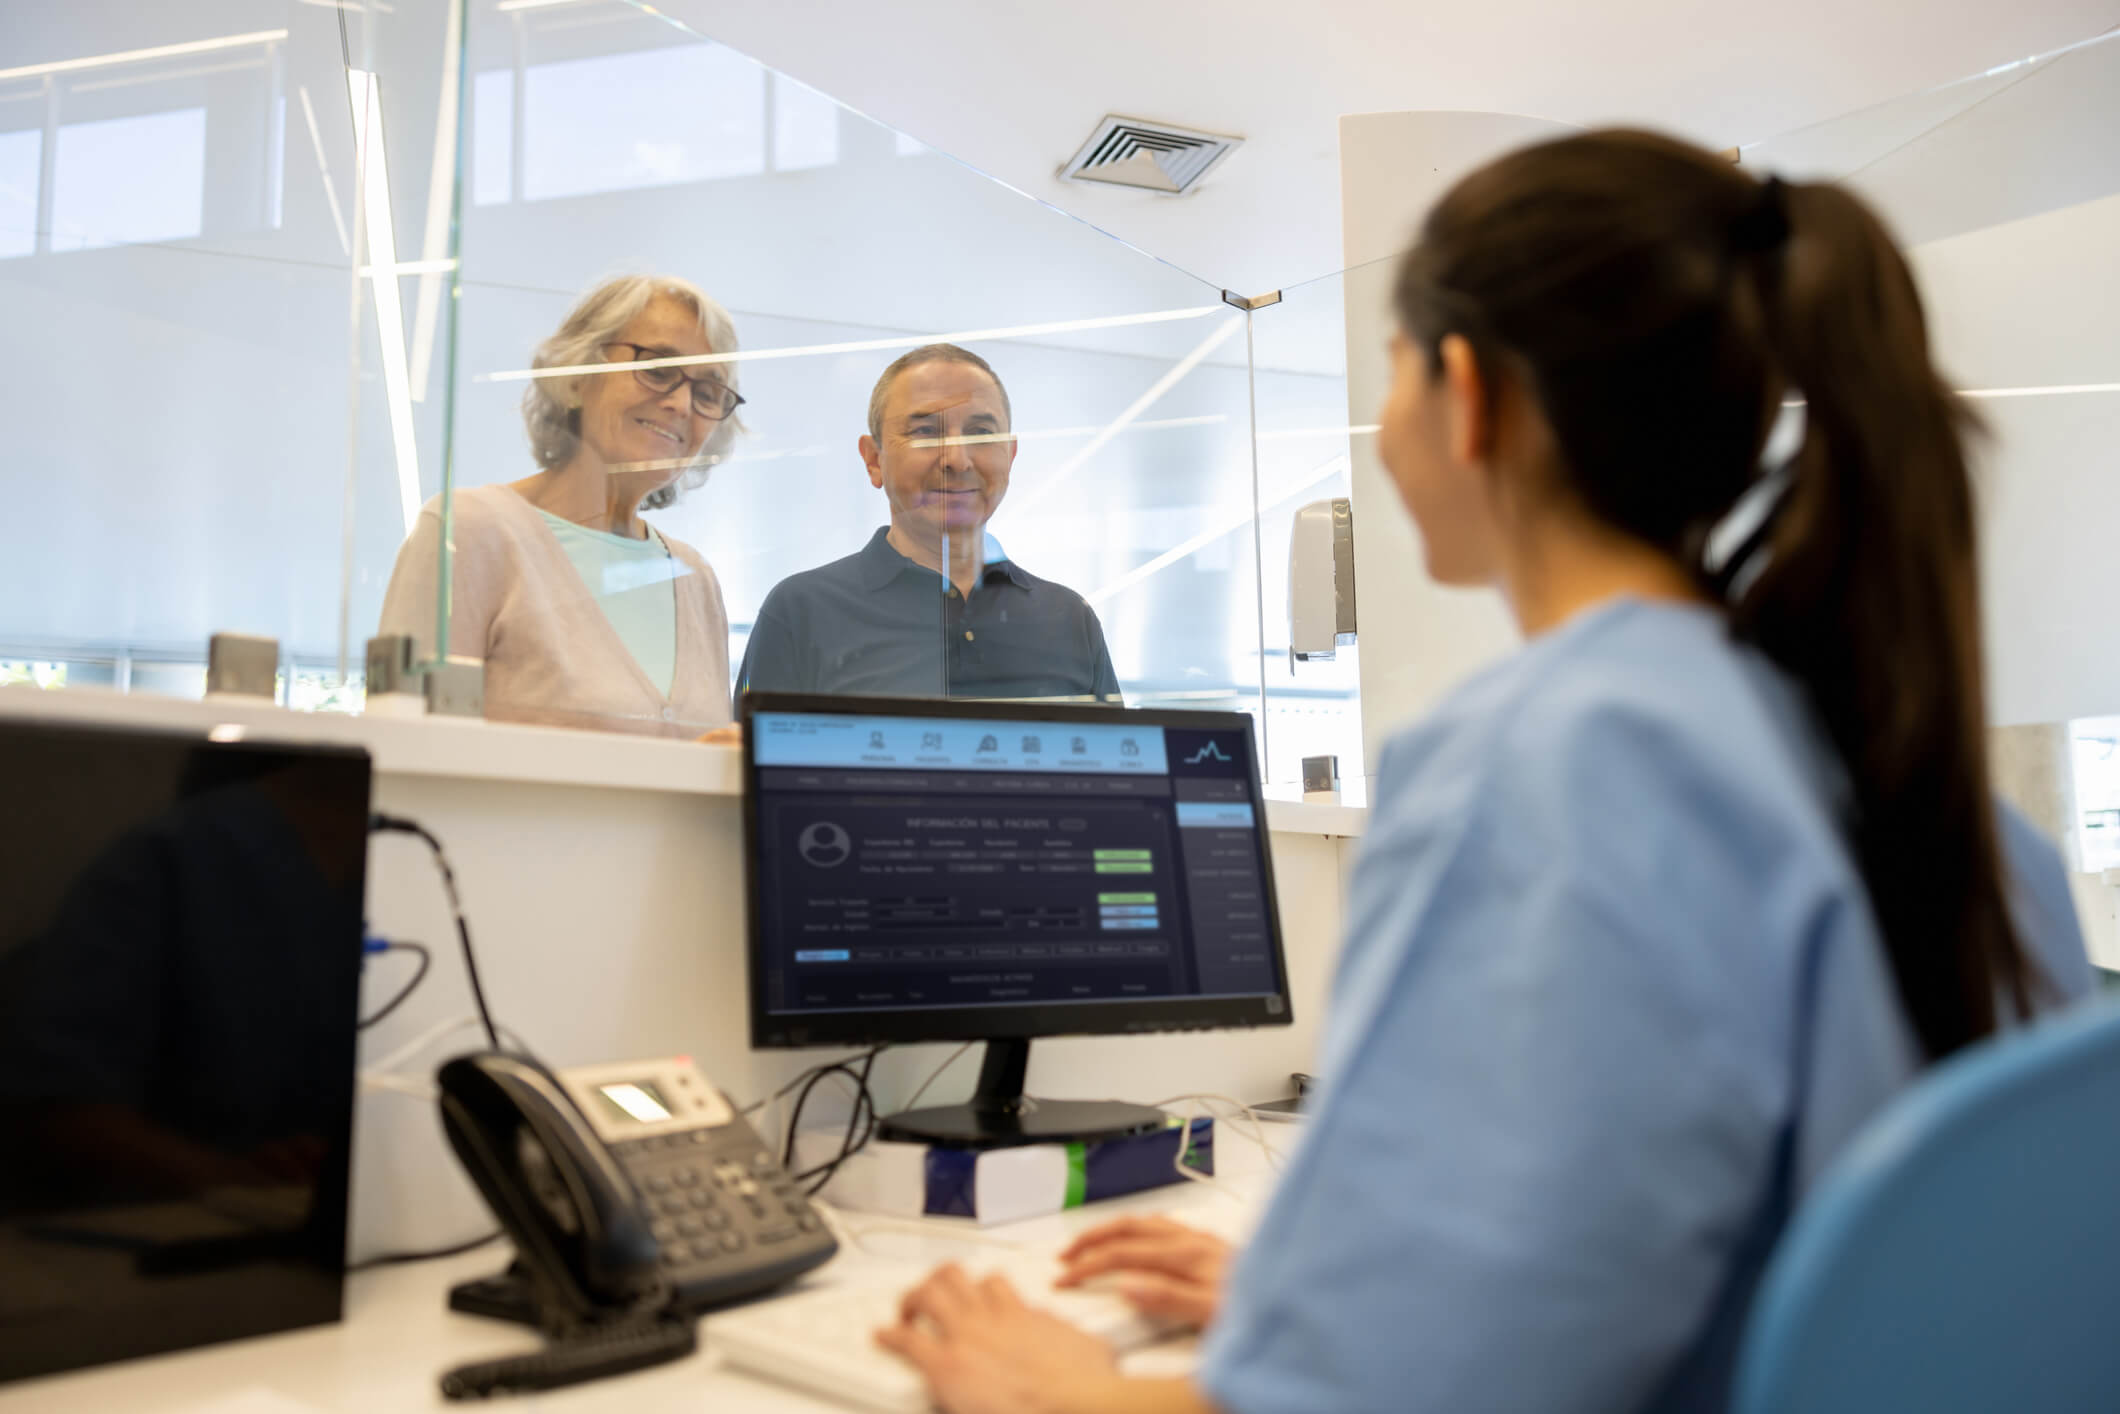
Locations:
(1320, 581)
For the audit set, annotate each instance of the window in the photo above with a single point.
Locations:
(310, 687)
(121, 181)
(58, 672)
(21, 153)
(492, 136)
(651, 118)
(173, 678)
(2096, 745)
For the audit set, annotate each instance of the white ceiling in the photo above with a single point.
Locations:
(1013, 89)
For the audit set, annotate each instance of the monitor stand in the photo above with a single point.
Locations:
(998, 1116)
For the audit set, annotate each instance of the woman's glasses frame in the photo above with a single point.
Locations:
(712, 399)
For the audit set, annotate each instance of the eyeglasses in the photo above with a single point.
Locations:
(712, 399)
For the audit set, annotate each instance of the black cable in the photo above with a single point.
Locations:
(756, 1105)
(426, 958)
(862, 1116)
(787, 1148)
(396, 824)
(862, 1099)
(395, 1259)
(861, 1120)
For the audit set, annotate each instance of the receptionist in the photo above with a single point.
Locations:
(931, 607)
(1654, 914)
(584, 613)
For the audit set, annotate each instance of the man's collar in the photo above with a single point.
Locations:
(881, 563)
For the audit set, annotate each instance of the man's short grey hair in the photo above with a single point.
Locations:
(925, 354)
(552, 406)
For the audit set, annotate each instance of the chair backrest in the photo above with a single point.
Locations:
(1964, 1252)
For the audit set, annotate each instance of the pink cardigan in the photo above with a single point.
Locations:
(552, 657)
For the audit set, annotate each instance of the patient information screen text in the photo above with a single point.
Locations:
(912, 862)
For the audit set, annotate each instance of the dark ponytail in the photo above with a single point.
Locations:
(1661, 305)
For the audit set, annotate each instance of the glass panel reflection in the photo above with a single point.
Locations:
(581, 611)
(940, 445)
(954, 544)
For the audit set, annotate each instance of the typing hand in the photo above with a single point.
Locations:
(722, 736)
(982, 1351)
(1163, 1268)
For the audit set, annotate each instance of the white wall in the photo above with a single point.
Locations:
(1419, 639)
(603, 879)
(610, 924)
(181, 420)
(2036, 302)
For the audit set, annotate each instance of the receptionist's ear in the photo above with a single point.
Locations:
(872, 458)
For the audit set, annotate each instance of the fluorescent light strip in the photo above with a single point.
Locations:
(331, 190)
(135, 56)
(1052, 433)
(510, 6)
(414, 267)
(2051, 390)
(904, 341)
(1362, 429)
(772, 456)
(367, 98)
(195, 71)
(1156, 390)
(1237, 520)
(2038, 390)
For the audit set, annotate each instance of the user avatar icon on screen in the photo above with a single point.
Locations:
(824, 845)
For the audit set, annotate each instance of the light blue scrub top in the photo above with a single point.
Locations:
(634, 583)
(1611, 995)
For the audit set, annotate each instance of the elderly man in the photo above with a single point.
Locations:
(930, 607)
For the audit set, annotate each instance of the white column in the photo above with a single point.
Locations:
(1418, 639)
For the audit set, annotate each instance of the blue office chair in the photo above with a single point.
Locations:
(1964, 1253)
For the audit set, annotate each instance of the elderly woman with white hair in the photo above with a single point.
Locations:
(585, 614)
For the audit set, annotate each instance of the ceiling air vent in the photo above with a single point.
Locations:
(1127, 152)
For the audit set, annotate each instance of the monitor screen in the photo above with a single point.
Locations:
(180, 953)
(926, 870)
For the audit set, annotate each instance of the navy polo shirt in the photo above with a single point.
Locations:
(877, 623)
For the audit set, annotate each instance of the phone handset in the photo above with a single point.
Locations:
(578, 1226)
(637, 1198)
(564, 1201)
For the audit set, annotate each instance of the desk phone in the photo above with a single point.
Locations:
(625, 1187)
(728, 1219)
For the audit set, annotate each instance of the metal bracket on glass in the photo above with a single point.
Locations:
(1235, 300)
(399, 685)
(456, 687)
(242, 665)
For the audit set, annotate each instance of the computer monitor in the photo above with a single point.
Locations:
(930, 870)
(180, 956)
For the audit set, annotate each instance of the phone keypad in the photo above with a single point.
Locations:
(716, 1208)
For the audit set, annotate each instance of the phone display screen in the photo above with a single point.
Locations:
(636, 1100)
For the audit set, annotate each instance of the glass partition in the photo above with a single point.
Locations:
(1310, 427)
(174, 262)
(353, 244)
(1083, 427)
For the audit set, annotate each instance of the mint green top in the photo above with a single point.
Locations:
(632, 581)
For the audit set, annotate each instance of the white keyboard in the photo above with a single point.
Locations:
(825, 1340)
